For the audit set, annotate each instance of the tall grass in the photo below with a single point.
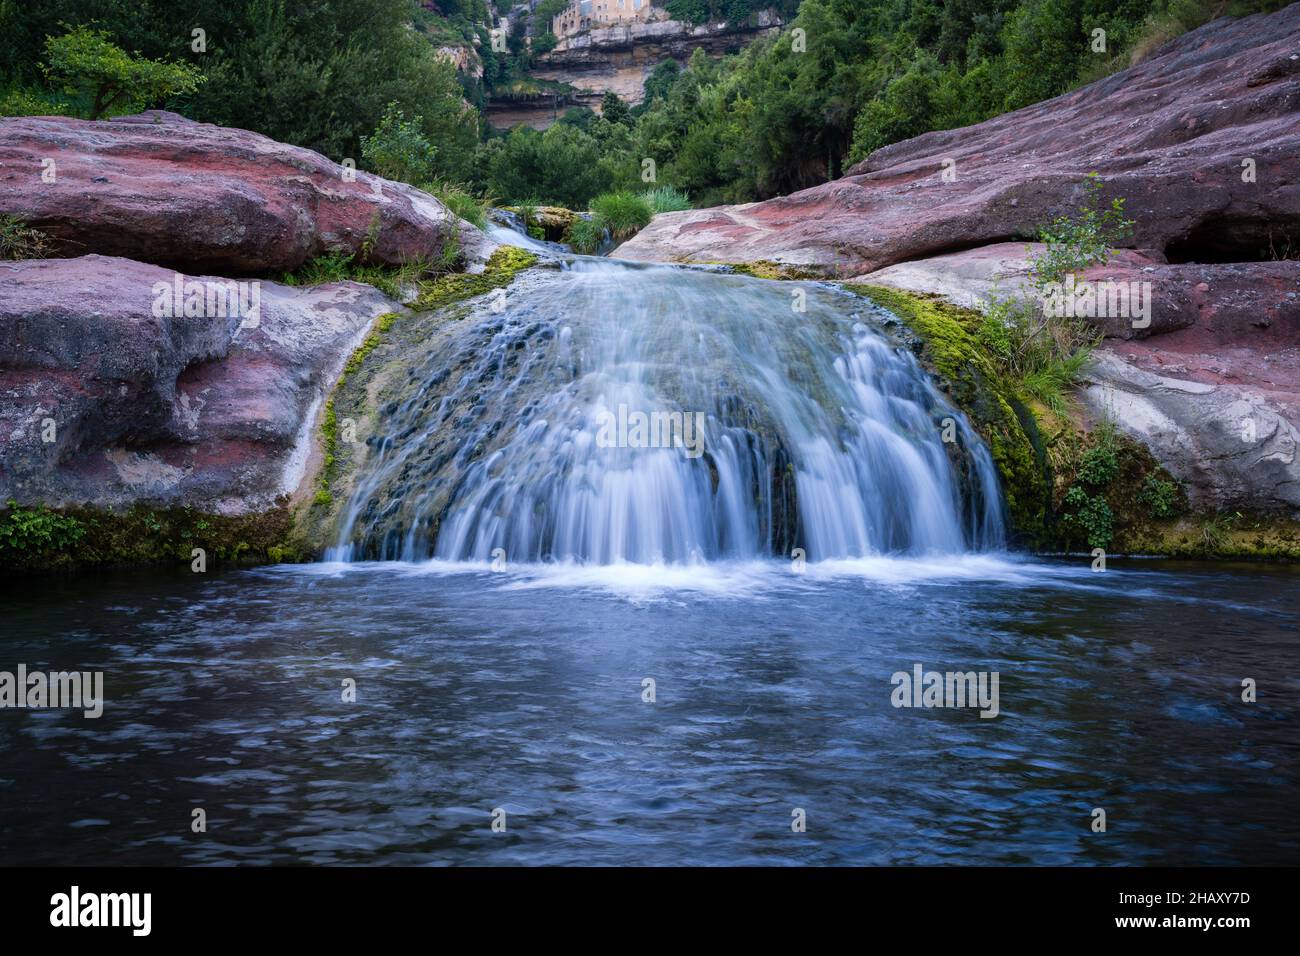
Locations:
(459, 200)
(623, 213)
(586, 236)
(666, 199)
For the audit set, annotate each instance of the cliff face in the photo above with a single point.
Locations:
(618, 59)
(1202, 140)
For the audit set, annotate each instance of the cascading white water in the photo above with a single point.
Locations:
(819, 432)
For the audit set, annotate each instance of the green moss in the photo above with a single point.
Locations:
(768, 269)
(142, 535)
(329, 420)
(500, 271)
(946, 343)
(435, 294)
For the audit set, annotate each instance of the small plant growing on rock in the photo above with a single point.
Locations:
(20, 241)
(1159, 497)
(622, 213)
(459, 200)
(1076, 242)
(1100, 463)
(38, 530)
(1045, 353)
(85, 63)
(1091, 515)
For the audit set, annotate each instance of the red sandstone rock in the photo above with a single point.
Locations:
(160, 188)
(1170, 135)
(214, 412)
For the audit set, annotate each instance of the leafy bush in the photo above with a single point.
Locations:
(1100, 463)
(666, 199)
(84, 62)
(1159, 497)
(20, 241)
(1091, 515)
(33, 531)
(1076, 242)
(622, 213)
(398, 149)
(30, 102)
(1042, 352)
(559, 167)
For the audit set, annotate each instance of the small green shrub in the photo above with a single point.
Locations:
(398, 149)
(1091, 516)
(1100, 463)
(33, 102)
(1159, 497)
(622, 213)
(20, 241)
(1076, 242)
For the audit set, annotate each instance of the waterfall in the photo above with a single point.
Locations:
(618, 412)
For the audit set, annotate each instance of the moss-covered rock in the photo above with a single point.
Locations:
(768, 269)
(361, 389)
(67, 539)
(945, 343)
(1070, 487)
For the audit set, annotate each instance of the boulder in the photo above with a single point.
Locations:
(1201, 139)
(109, 395)
(160, 188)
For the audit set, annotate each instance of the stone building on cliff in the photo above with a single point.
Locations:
(586, 14)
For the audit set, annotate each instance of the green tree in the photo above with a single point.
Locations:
(85, 62)
(399, 149)
(613, 109)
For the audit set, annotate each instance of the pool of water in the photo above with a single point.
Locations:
(521, 691)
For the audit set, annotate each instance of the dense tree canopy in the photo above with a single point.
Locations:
(840, 79)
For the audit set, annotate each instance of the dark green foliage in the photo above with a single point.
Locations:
(612, 109)
(1161, 498)
(1091, 516)
(1100, 463)
(845, 77)
(30, 532)
(83, 63)
(315, 73)
(561, 166)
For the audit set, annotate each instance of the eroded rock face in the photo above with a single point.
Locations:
(105, 402)
(160, 188)
(1170, 134)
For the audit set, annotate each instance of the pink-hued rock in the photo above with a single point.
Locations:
(1237, 300)
(160, 188)
(1211, 386)
(214, 412)
(1170, 135)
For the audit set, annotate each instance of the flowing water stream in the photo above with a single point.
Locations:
(775, 418)
(640, 651)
